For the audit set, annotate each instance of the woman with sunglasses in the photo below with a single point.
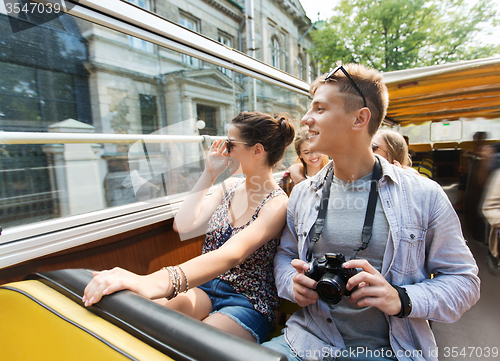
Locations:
(392, 146)
(231, 285)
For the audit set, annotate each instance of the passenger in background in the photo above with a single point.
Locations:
(393, 147)
(308, 164)
(477, 162)
(491, 210)
(469, 164)
(231, 285)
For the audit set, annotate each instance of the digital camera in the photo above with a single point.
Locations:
(331, 277)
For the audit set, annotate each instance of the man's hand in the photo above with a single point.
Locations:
(373, 289)
(303, 286)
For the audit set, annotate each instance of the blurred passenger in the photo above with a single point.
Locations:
(393, 147)
(468, 158)
(491, 210)
(478, 164)
(308, 164)
(231, 285)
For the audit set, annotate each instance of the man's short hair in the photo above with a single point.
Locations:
(372, 86)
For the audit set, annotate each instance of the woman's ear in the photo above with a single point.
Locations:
(258, 150)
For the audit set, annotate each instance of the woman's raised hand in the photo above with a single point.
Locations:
(216, 160)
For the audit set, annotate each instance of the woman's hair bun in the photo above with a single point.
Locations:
(286, 127)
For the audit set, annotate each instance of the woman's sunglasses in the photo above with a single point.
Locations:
(229, 144)
(375, 147)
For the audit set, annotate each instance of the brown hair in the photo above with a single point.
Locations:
(371, 84)
(303, 136)
(275, 134)
(397, 149)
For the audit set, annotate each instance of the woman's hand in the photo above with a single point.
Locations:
(104, 283)
(297, 172)
(217, 161)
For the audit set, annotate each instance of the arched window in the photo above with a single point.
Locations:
(300, 67)
(312, 72)
(275, 52)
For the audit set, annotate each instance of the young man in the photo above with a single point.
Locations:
(415, 234)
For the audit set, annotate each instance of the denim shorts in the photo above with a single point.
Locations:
(227, 301)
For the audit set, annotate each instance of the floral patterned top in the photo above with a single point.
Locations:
(254, 277)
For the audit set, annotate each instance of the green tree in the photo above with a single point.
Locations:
(402, 34)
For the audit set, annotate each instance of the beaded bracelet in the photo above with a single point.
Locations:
(185, 278)
(175, 276)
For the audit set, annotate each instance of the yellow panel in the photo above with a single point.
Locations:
(420, 147)
(467, 92)
(31, 332)
(445, 145)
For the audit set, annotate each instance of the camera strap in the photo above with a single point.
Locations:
(369, 216)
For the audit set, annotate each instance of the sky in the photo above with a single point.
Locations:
(324, 7)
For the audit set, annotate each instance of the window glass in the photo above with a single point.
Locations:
(136, 42)
(300, 67)
(119, 90)
(191, 23)
(312, 73)
(275, 52)
(227, 41)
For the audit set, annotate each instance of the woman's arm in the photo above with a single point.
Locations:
(297, 172)
(198, 270)
(196, 209)
(267, 226)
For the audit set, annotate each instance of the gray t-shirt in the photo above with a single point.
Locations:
(363, 327)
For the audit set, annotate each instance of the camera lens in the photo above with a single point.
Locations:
(331, 287)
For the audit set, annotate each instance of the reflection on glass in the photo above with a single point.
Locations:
(119, 89)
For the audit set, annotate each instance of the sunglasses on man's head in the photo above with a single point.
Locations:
(229, 144)
(341, 68)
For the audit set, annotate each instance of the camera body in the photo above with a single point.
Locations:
(331, 277)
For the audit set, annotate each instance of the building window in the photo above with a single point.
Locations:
(149, 113)
(136, 42)
(227, 40)
(191, 23)
(312, 72)
(275, 52)
(208, 114)
(300, 67)
(33, 98)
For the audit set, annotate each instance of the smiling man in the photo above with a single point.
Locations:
(394, 230)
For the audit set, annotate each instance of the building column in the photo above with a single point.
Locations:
(76, 171)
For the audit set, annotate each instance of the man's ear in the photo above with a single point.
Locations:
(362, 118)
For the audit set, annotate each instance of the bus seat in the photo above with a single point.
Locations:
(423, 147)
(445, 145)
(426, 168)
(284, 311)
(43, 318)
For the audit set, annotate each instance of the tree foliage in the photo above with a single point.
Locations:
(402, 34)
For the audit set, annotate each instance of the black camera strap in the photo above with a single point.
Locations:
(369, 216)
